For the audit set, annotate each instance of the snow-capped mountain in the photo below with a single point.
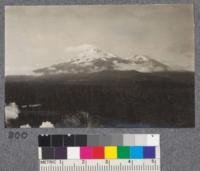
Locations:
(92, 59)
(142, 63)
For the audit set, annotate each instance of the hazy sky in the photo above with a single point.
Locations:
(38, 36)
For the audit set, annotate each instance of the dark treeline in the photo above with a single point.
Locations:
(159, 99)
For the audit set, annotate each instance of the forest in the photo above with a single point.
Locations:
(160, 99)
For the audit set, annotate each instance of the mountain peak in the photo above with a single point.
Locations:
(139, 59)
(89, 58)
(89, 53)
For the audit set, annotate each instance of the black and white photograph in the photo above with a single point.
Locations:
(99, 66)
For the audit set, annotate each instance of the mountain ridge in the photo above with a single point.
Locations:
(93, 59)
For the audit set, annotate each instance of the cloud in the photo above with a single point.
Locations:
(47, 124)
(83, 47)
(11, 111)
(121, 29)
(25, 126)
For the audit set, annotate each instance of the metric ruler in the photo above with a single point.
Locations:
(115, 152)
